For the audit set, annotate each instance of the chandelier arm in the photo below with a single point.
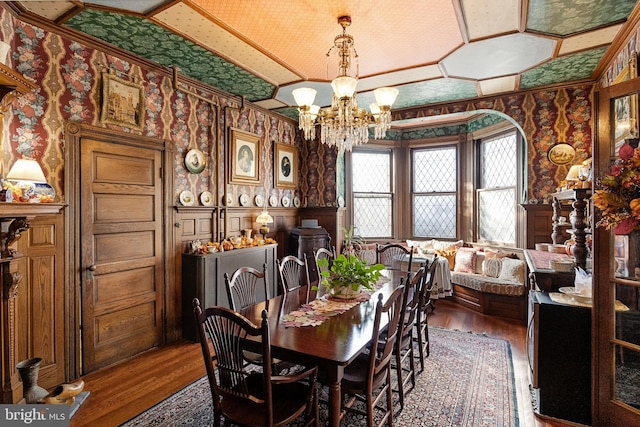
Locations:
(345, 125)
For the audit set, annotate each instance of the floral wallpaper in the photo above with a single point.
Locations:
(546, 117)
(68, 76)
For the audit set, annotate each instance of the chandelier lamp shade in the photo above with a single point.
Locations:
(344, 124)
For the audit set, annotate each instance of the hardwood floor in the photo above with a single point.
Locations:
(122, 391)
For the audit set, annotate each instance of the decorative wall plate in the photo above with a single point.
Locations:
(273, 201)
(187, 198)
(229, 200)
(286, 201)
(296, 201)
(206, 198)
(244, 200)
(258, 200)
(195, 161)
(341, 201)
(561, 154)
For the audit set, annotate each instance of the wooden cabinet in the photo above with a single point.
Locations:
(539, 224)
(203, 278)
(541, 276)
(303, 241)
(559, 350)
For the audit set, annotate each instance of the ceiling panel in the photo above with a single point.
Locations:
(263, 49)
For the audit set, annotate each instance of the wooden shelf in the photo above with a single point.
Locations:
(28, 210)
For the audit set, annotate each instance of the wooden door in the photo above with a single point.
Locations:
(121, 251)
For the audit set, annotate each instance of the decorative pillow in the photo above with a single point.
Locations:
(465, 260)
(491, 267)
(500, 254)
(512, 270)
(450, 256)
(446, 246)
(421, 246)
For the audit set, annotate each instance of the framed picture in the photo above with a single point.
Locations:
(244, 157)
(122, 102)
(625, 108)
(286, 166)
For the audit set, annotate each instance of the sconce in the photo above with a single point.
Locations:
(264, 218)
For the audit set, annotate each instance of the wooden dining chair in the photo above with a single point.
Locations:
(323, 258)
(246, 396)
(293, 272)
(371, 370)
(393, 255)
(243, 286)
(422, 321)
(404, 350)
(323, 253)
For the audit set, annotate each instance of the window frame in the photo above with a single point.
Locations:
(381, 149)
(477, 189)
(412, 193)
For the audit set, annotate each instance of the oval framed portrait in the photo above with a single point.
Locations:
(195, 161)
(561, 154)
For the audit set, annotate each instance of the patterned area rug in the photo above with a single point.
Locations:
(468, 381)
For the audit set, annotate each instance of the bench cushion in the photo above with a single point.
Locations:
(493, 285)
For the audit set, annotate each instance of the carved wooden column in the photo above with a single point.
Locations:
(11, 386)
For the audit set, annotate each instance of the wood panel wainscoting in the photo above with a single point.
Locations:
(33, 304)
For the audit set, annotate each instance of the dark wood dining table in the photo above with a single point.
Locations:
(332, 345)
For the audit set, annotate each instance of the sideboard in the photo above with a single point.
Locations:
(203, 278)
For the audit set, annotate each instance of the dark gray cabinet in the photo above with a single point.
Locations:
(203, 278)
(559, 352)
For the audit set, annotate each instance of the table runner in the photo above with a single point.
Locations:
(319, 310)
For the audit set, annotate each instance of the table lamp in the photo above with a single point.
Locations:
(264, 218)
(25, 173)
(26, 170)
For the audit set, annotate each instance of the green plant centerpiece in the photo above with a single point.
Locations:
(349, 275)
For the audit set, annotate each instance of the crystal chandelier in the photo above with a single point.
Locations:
(344, 124)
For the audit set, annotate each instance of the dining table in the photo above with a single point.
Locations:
(331, 345)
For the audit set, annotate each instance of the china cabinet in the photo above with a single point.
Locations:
(615, 337)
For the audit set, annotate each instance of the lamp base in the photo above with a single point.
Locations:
(264, 230)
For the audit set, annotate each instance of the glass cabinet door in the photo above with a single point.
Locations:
(616, 271)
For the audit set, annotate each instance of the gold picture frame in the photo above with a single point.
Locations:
(625, 114)
(285, 167)
(122, 101)
(244, 157)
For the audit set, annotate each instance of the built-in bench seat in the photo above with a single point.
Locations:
(486, 279)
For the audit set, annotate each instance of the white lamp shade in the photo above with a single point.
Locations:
(375, 109)
(314, 111)
(264, 218)
(304, 96)
(574, 173)
(385, 96)
(344, 86)
(26, 170)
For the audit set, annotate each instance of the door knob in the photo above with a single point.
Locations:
(92, 267)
